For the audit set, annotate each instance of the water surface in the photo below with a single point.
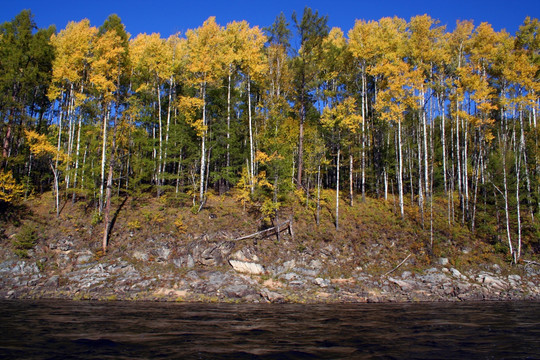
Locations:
(128, 330)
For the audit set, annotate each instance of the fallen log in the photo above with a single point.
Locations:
(397, 267)
(286, 225)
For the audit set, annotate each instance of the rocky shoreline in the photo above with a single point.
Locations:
(226, 271)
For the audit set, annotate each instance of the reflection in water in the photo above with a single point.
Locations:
(127, 330)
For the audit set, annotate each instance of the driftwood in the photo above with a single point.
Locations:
(397, 267)
(286, 225)
(531, 262)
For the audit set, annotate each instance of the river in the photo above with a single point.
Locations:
(49, 329)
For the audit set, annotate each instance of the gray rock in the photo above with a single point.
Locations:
(306, 272)
(515, 280)
(238, 291)
(247, 267)
(406, 274)
(52, 281)
(271, 296)
(443, 261)
(246, 254)
(288, 265)
(491, 281)
(297, 283)
(192, 275)
(290, 276)
(84, 258)
(322, 282)
(162, 253)
(139, 255)
(211, 254)
(184, 262)
(65, 245)
(404, 285)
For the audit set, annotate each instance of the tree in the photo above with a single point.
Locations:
(311, 30)
(42, 148)
(70, 78)
(204, 46)
(26, 57)
(343, 120)
(10, 191)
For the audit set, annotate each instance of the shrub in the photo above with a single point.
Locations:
(25, 239)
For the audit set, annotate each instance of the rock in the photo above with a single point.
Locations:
(491, 281)
(515, 280)
(306, 272)
(457, 274)
(322, 282)
(162, 253)
(442, 261)
(139, 255)
(238, 291)
(404, 285)
(65, 245)
(211, 254)
(297, 283)
(406, 274)
(84, 258)
(288, 265)
(52, 281)
(246, 254)
(247, 267)
(271, 296)
(290, 276)
(184, 262)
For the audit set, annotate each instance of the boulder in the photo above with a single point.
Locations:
(491, 281)
(322, 282)
(139, 255)
(271, 296)
(238, 291)
(442, 261)
(247, 267)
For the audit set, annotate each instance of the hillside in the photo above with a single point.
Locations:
(160, 249)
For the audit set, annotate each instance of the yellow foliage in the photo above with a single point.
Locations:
(179, 224)
(40, 146)
(343, 116)
(10, 191)
(264, 158)
(190, 106)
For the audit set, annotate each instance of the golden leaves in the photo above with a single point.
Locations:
(40, 146)
(105, 64)
(10, 191)
(190, 107)
(343, 116)
(152, 55)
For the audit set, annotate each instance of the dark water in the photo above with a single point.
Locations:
(128, 330)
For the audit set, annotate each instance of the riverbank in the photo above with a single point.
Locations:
(202, 257)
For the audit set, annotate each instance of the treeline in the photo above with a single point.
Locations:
(392, 109)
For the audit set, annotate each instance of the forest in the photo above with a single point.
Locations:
(394, 109)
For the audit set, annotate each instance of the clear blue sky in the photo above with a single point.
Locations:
(171, 16)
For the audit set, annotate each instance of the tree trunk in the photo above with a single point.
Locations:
(103, 156)
(351, 194)
(251, 149)
(400, 173)
(203, 147)
(337, 186)
(160, 158)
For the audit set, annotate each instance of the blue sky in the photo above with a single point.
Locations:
(168, 17)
